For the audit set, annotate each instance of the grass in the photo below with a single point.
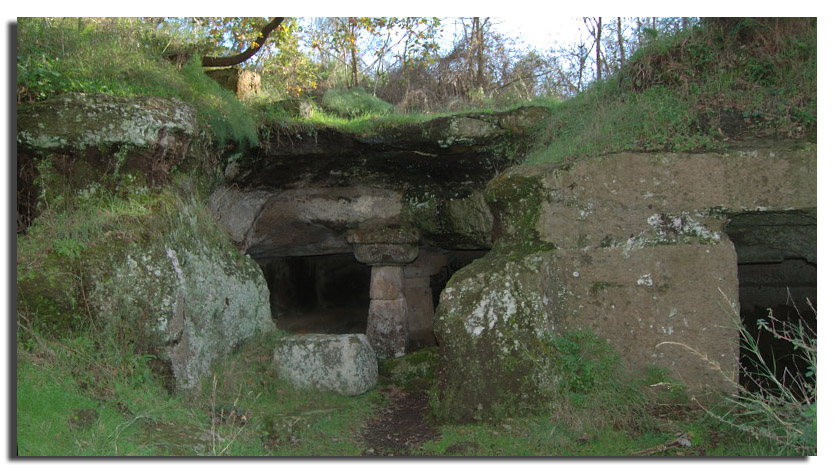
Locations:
(63, 55)
(127, 412)
(245, 412)
(780, 411)
(698, 90)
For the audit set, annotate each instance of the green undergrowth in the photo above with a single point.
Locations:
(545, 436)
(281, 420)
(599, 410)
(66, 55)
(82, 232)
(90, 399)
(729, 79)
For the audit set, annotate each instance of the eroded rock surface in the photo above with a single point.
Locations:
(162, 280)
(631, 246)
(429, 175)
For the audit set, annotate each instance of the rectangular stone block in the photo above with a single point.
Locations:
(341, 363)
(660, 306)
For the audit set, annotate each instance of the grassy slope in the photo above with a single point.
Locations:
(701, 90)
(693, 92)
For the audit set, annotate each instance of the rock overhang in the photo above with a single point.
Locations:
(300, 194)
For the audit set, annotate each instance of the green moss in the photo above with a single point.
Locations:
(414, 370)
(516, 203)
(598, 287)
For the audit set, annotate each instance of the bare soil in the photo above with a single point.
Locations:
(401, 426)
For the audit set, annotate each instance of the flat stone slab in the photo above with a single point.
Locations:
(341, 363)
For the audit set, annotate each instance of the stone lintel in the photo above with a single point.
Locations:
(383, 235)
(385, 254)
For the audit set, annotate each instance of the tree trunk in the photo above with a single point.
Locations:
(480, 53)
(597, 41)
(621, 49)
(354, 68)
(228, 61)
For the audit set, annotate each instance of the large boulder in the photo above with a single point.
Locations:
(81, 121)
(188, 301)
(491, 324)
(340, 363)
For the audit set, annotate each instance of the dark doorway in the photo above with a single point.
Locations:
(777, 256)
(326, 294)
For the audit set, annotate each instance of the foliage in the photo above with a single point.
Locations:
(226, 117)
(60, 55)
(782, 408)
(344, 43)
(354, 103)
(585, 362)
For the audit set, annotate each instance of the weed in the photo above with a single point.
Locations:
(782, 410)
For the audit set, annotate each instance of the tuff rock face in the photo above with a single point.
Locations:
(631, 246)
(88, 136)
(315, 185)
(170, 285)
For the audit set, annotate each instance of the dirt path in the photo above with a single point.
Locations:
(400, 427)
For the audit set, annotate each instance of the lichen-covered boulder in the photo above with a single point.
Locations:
(149, 134)
(340, 363)
(492, 324)
(87, 137)
(188, 302)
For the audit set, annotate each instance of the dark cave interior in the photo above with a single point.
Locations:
(777, 265)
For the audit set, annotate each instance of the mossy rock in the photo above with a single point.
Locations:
(493, 324)
(150, 271)
(415, 370)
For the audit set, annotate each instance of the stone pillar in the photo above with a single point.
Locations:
(420, 309)
(388, 325)
(387, 250)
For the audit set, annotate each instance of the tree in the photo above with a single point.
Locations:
(621, 49)
(227, 61)
(219, 41)
(391, 42)
(595, 27)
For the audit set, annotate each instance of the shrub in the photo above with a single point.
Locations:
(594, 392)
(354, 103)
